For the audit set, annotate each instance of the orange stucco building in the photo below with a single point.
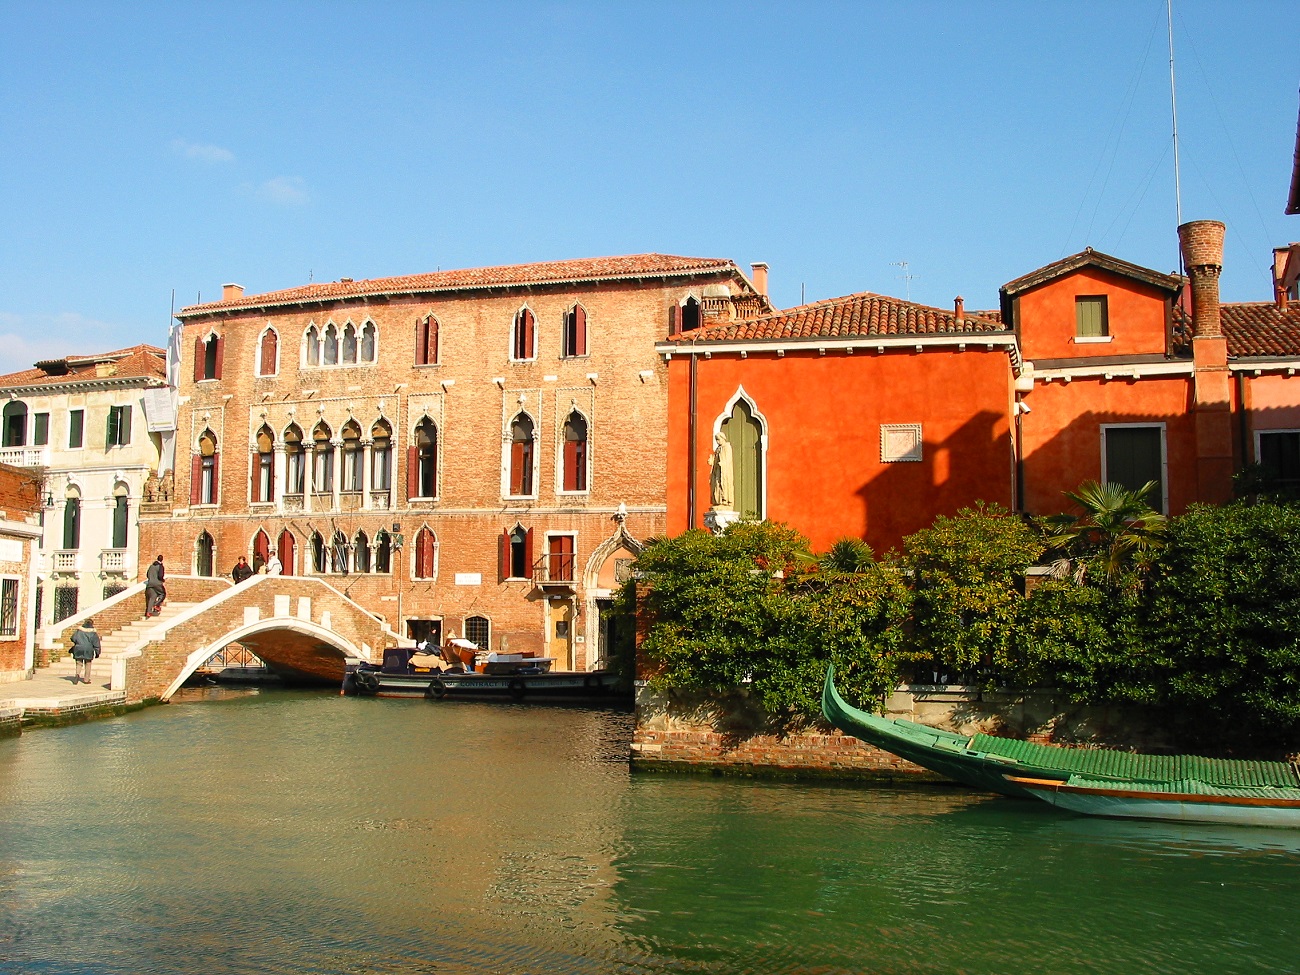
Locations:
(867, 416)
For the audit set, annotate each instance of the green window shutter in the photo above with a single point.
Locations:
(42, 431)
(1090, 317)
(114, 418)
(1133, 458)
(76, 424)
(745, 435)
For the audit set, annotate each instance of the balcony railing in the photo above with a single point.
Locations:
(113, 559)
(67, 560)
(554, 569)
(25, 456)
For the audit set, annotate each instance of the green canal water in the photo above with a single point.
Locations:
(299, 832)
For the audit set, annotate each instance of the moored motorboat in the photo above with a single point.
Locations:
(994, 764)
(368, 680)
(1185, 801)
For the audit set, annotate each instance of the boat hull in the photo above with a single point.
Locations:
(576, 685)
(1121, 803)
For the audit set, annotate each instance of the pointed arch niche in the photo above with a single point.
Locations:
(746, 428)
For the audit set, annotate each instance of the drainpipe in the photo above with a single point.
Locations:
(1020, 463)
(1243, 418)
(690, 448)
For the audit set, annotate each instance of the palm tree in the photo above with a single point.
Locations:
(1118, 530)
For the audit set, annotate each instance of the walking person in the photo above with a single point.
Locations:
(241, 571)
(154, 589)
(85, 648)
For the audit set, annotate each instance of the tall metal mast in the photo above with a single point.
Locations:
(1173, 107)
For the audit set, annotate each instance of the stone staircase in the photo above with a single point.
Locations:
(113, 645)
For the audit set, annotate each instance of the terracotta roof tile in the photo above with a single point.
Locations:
(1090, 258)
(134, 362)
(864, 314)
(1261, 328)
(629, 266)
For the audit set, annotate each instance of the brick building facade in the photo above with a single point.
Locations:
(476, 452)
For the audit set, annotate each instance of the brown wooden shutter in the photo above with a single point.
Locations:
(580, 331)
(199, 351)
(412, 473)
(674, 319)
(221, 348)
(517, 467)
(426, 552)
(196, 478)
(503, 556)
(255, 494)
(216, 477)
(528, 552)
(422, 342)
(433, 341)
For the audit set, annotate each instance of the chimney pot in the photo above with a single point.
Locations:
(1202, 243)
(959, 308)
(229, 292)
(760, 277)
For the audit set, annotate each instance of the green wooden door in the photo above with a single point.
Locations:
(745, 435)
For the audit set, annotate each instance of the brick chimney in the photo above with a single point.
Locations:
(229, 292)
(1281, 255)
(1202, 244)
(760, 277)
(959, 309)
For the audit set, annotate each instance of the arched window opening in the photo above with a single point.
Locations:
(312, 342)
(575, 332)
(361, 552)
(690, 314)
(352, 458)
(72, 520)
(517, 553)
(207, 357)
(323, 460)
(295, 457)
(349, 344)
(317, 553)
(478, 631)
(330, 350)
(381, 456)
(205, 555)
(422, 461)
(261, 549)
(121, 513)
(521, 455)
(368, 336)
(426, 551)
(286, 548)
(524, 344)
(268, 359)
(203, 474)
(383, 552)
(426, 341)
(745, 434)
(15, 424)
(263, 467)
(339, 553)
(575, 452)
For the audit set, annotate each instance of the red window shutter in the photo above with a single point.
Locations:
(674, 319)
(528, 551)
(422, 343)
(579, 331)
(426, 553)
(270, 478)
(517, 463)
(255, 468)
(269, 343)
(580, 465)
(433, 463)
(199, 351)
(412, 473)
(221, 348)
(571, 454)
(196, 478)
(503, 556)
(433, 341)
(216, 477)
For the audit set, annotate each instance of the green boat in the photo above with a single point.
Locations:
(984, 761)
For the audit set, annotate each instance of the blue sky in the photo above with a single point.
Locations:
(150, 148)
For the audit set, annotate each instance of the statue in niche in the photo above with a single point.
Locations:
(151, 486)
(166, 486)
(722, 482)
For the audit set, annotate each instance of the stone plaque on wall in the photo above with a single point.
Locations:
(900, 442)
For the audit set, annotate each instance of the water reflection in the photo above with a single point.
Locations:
(294, 832)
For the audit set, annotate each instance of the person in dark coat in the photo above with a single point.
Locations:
(154, 589)
(85, 648)
(241, 571)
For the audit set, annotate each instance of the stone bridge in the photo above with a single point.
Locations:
(301, 627)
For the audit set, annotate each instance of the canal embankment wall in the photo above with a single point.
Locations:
(695, 732)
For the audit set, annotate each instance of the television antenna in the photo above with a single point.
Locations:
(906, 276)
